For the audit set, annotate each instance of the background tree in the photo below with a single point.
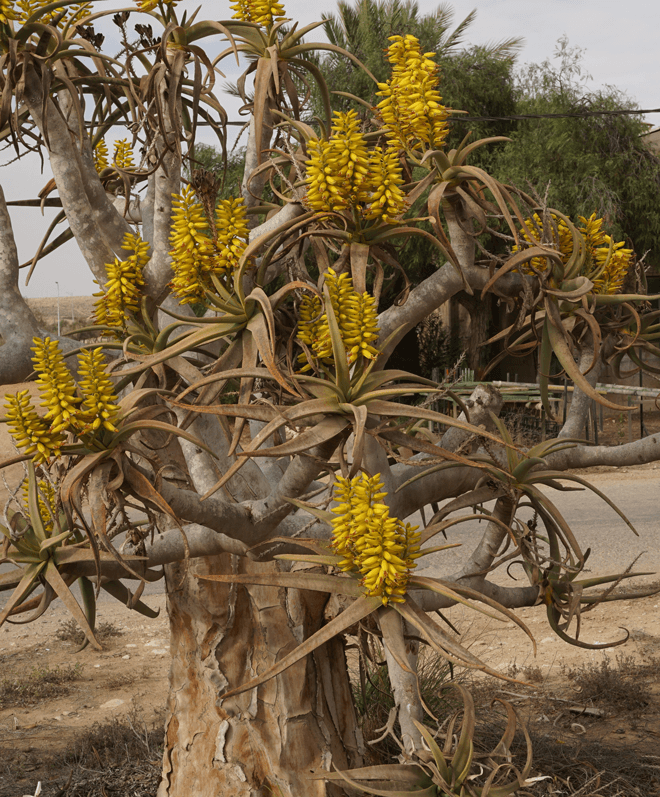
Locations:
(271, 430)
(595, 163)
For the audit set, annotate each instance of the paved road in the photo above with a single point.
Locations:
(595, 525)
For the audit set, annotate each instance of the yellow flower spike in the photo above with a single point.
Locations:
(47, 501)
(338, 168)
(412, 108)
(29, 431)
(373, 544)
(26, 8)
(193, 249)
(99, 407)
(597, 243)
(149, 5)
(7, 11)
(387, 200)
(101, 156)
(122, 292)
(123, 155)
(56, 384)
(233, 234)
(263, 12)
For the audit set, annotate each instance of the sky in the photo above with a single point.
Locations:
(620, 49)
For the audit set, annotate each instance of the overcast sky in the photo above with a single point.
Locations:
(619, 39)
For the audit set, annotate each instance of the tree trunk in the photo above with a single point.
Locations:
(263, 742)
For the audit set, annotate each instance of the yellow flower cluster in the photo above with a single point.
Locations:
(263, 12)
(44, 437)
(356, 318)
(99, 406)
(47, 500)
(311, 322)
(192, 247)
(387, 200)
(123, 155)
(29, 430)
(7, 11)
(74, 12)
(379, 547)
(195, 255)
(342, 174)
(56, 384)
(101, 156)
(122, 291)
(149, 5)
(233, 233)
(607, 277)
(412, 108)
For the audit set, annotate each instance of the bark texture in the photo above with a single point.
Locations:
(265, 741)
(17, 322)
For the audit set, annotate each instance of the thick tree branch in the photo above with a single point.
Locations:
(638, 452)
(578, 413)
(17, 322)
(248, 484)
(300, 473)
(66, 164)
(157, 218)
(433, 292)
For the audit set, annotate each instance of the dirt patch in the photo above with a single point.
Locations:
(43, 724)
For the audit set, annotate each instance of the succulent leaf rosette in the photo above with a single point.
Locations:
(579, 272)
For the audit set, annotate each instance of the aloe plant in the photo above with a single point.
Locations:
(261, 456)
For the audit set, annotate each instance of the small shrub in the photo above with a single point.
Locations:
(70, 631)
(618, 686)
(43, 683)
(533, 675)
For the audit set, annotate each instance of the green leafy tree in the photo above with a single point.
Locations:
(584, 164)
(364, 28)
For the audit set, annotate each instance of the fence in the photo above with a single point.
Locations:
(524, 410)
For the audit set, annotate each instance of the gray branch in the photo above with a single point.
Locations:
(71, 179)
(578, 413)
(17, 322)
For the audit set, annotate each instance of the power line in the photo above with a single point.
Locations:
(575, 115)
(460, 118)
(519, 117)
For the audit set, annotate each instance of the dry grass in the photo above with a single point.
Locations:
(42, 683)
(120, 757)
(70, 631)
(621, 686)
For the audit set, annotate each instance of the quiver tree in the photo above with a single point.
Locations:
(239, 424)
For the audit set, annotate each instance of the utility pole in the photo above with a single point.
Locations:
(59, 329)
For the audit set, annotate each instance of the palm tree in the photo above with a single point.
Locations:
(364, 28)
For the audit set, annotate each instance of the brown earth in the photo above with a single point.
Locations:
(75, 312)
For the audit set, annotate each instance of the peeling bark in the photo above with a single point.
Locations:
(265, 741)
